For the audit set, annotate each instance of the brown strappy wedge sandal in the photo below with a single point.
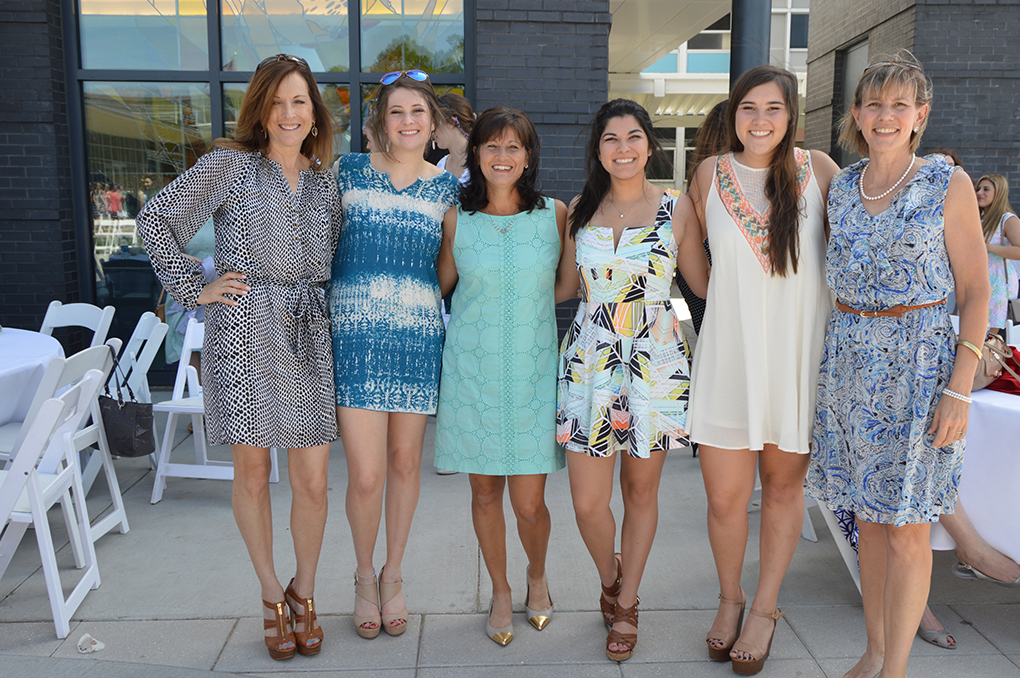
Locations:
(388, 590)
(609, 609)
(722, 654)
(275, 643)
(749, 667)
(309, 642)
(628, 640)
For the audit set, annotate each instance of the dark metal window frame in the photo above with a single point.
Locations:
(216, 77)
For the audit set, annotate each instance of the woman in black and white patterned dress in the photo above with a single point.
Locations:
(267, 361)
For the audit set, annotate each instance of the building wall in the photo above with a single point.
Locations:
(38, 253)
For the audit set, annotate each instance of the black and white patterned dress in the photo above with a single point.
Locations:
(267, 363)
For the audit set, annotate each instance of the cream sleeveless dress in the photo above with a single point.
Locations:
(755, 371)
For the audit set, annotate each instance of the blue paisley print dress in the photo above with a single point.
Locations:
(881, 378)
(384, 291)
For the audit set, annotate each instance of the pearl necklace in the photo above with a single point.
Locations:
(860, 182)
(508, 226)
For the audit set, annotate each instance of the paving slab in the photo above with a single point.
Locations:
(48, 667)
(943, 666)
(194, 643)
(529, 671)
(774, 668)
(999, 623)
(31, 638)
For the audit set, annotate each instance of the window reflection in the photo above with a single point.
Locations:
(139, 137)
(144, 34)
(336, 97)
(400, 34)
(315, 30)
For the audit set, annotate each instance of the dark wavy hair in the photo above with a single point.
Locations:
(250, 131)
(492, 124)
(711, 139)
(781, 187)
(597, 180)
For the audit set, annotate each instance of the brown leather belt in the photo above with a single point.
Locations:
(894, 312)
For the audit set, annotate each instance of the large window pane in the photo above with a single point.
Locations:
(315, 30)
(400, 34)
(139, 137)
(166, 35)
(336, 97)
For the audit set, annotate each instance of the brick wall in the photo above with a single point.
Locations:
(37, 241)
(972, 53)
(548, 58)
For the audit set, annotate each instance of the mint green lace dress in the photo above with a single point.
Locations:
(497, 392)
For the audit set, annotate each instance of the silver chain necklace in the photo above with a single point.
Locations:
(860, 182)
(644, 196)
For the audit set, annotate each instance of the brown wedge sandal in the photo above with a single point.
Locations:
(308, 642)
(722, 654)
(749, 667)
(275, 643)
(628, 640)
(609, 609)
(388, 590)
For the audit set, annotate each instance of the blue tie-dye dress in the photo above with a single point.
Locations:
(882, 377)
(384, 292)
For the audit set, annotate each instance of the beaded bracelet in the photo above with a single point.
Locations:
(958, 396)
(971, 346)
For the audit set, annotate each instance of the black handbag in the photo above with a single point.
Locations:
(128, 423)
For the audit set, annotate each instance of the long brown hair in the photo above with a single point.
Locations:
(712, 136)
(457, 111)
(1000, 204)
(380, 99)
(250, 133)
(781, 186)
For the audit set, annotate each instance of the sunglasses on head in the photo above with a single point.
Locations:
(390, 78)
(282, 57)
(904, 64)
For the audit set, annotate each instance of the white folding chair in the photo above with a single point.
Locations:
(178, 405)
(44, 471)
(134, 363)
(79, 315)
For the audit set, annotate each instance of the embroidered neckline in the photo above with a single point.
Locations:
(753, 225)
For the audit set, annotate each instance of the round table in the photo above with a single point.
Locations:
(25, 357)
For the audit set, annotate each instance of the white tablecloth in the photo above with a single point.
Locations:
(990, 485)
(24, 356)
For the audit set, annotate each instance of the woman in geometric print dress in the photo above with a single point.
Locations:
(755, 371)
(894, 385)
(267, 364)
(388, 332)
(1001, 228)
(623, 375)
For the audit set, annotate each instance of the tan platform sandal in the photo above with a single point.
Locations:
(628, 640)
(749, 667)
(388, 590)
(369, 593)
(609, 609)
(308, 642)
(275, 643)
(722, 654)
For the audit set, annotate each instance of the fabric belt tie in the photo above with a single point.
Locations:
(306, 307)
(894, 312)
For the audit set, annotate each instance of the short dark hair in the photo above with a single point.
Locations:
(492, 124)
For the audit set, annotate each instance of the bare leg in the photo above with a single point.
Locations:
(527, 496)
(782, 517)
(308, 470)
(729, 481)
(364, 437)
(908, 579)
(591, 488)
(490, 528)
(254, 516)
(975, 551)
(639, 483)
(406, 435)
(871, 554)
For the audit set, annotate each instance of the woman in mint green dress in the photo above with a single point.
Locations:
(497, 395)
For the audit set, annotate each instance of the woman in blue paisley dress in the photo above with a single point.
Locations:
(894, 384)
(388, 332)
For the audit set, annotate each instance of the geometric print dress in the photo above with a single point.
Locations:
(881, 377)
(267, 363)
(384, 291)
(624, 365)
(1002, 276)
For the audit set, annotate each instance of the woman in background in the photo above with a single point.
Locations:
(1001, 229)
(452, 132)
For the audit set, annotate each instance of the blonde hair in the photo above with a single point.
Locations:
(902, 71)
(1000, 204)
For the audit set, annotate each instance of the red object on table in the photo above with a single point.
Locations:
(1007, 383)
